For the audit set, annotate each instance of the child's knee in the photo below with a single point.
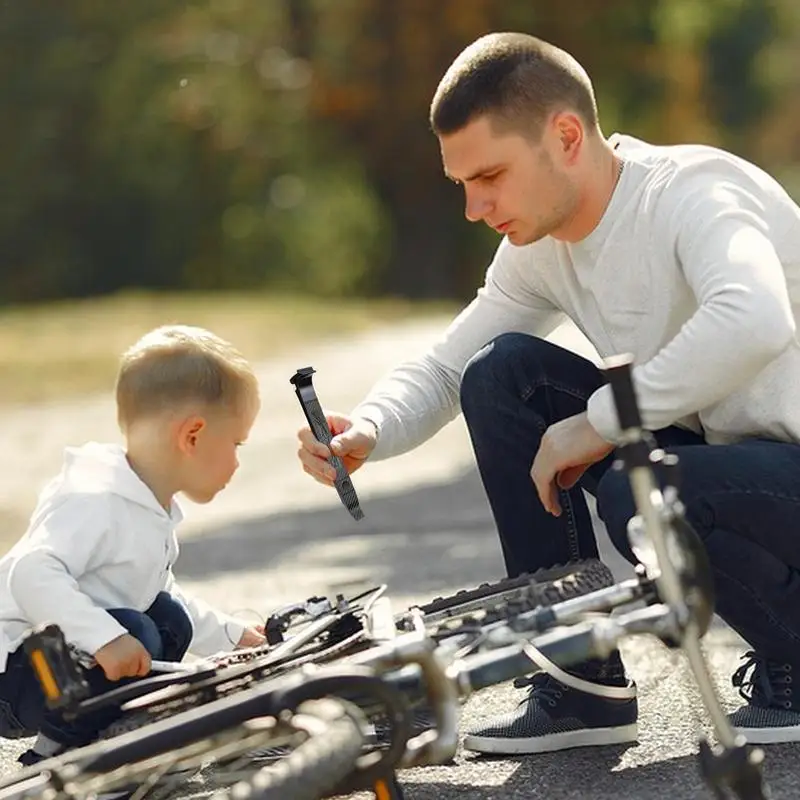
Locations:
(175, 624)
(141, 627)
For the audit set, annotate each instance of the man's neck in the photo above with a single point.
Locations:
(601, 179)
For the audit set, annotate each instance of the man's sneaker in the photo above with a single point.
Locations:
(772, 713)
(594, 704)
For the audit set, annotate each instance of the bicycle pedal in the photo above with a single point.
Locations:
(60, 677)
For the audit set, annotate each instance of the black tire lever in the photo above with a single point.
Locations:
(304, 389)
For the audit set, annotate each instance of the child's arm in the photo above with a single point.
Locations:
(43, 579)
(214, 631)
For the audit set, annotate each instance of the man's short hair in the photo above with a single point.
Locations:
(517, 81)
(175, 366)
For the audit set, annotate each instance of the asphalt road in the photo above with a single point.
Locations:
(439, 538)
(435, 539)
(427, 531)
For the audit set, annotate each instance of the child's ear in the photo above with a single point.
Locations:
(188, 433)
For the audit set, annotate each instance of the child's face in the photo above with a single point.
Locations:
(211, 457)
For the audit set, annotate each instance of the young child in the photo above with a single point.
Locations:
(98, 554)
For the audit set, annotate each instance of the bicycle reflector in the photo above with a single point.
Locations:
(304, 389)
(62, 683)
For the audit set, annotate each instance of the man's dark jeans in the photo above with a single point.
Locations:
(743, 499)
(165, 629)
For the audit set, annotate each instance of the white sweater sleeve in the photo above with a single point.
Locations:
(743, 321)
(417, 398)
(43, 579)
(214, 631)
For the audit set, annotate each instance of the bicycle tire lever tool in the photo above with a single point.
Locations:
(306, 394)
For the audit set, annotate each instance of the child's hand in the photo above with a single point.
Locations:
(252, 637)
(123, 657)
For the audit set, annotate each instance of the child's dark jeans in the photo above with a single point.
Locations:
(165, 629)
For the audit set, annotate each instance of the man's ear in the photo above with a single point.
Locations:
(189, 430)
(570, 134)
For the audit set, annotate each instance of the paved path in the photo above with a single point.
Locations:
(275, 536)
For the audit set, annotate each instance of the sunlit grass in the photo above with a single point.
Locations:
(65, 349)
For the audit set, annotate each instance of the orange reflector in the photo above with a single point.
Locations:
(45, 675)
(382, 791)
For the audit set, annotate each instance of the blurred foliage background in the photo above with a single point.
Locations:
(283, 144)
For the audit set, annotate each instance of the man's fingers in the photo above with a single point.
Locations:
(319, 468)
(320, 471)
(545, 482)
(568, 477)
(310, 443)
(338, 423)
(546, 491)
(555, 504)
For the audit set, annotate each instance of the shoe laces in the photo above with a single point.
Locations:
(767, 684)
(543, 687)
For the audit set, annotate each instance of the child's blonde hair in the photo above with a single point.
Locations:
(175, 365)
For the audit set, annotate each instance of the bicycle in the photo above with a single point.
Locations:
(467, 643)
(316, 632)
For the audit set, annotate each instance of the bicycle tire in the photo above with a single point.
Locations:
(318, 765)
(230, 728)
(546, 586)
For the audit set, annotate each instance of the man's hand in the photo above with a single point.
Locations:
(123, 657)
(252, 637)
(353, 441)
(567, 450)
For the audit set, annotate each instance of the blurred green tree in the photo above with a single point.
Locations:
(236, 143)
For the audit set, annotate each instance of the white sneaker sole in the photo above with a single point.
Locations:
(790, 733)
(589, 737)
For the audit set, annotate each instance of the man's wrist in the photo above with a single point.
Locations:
(375, 427)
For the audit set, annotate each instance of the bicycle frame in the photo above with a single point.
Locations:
(673, 578)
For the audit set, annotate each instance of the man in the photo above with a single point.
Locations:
(686, 256)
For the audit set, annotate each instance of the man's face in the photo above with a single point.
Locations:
(511, 183)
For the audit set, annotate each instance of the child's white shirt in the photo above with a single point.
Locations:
(98, 539)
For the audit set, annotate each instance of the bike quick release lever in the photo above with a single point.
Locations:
(304, 389)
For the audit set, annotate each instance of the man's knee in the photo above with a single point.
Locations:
(615, 507)
(494, 365)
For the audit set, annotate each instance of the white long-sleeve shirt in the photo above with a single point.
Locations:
(694, 268)
(98, 539)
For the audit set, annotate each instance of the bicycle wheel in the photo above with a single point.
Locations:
(323, 737)
(541, 588)
(317, 765)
